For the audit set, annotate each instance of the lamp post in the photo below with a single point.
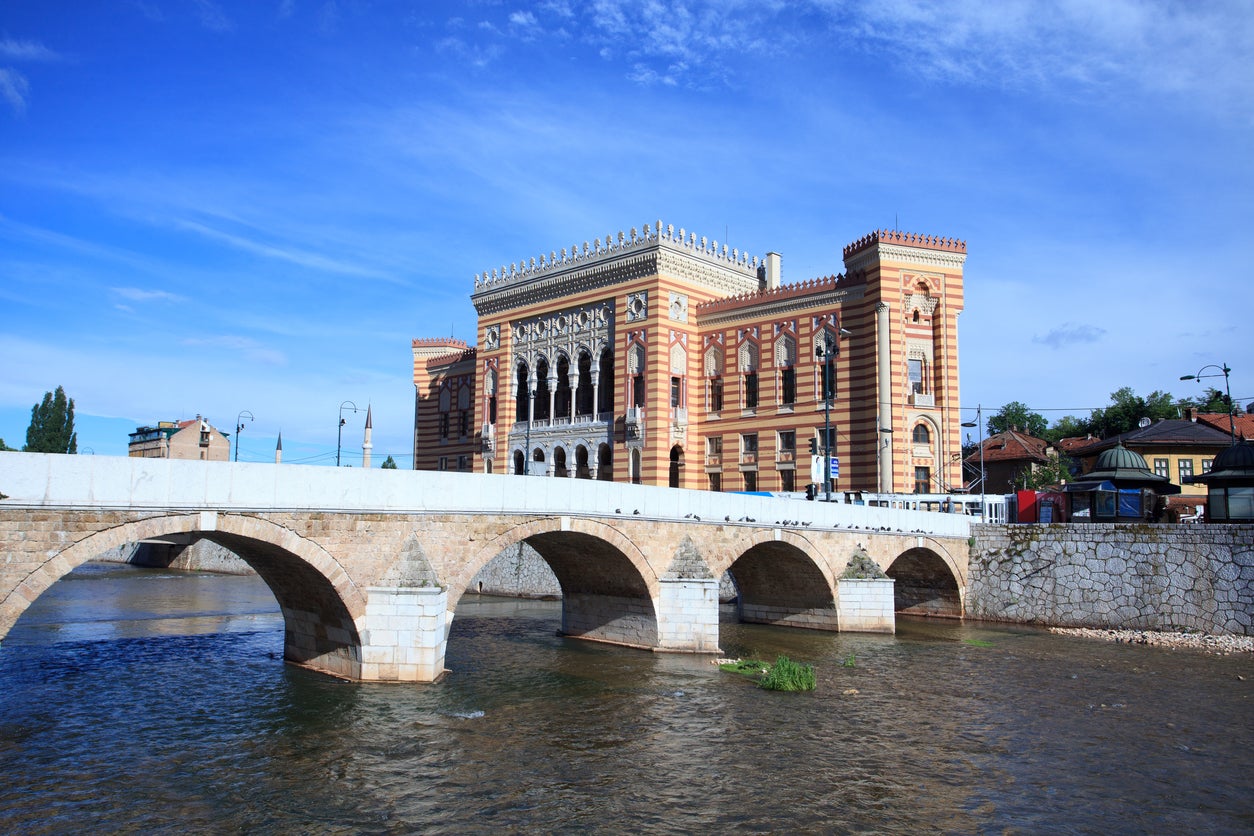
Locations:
(824, 351)
(239, 428)
(1223, 372)
(879, 445)
(531, 408)
(979, 422)
(339, 432)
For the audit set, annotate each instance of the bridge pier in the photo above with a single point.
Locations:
(687, 617)
(404, 634)
(865, 605)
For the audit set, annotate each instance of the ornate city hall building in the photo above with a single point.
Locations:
(659, 357)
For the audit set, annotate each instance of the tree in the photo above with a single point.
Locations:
(1128, 408)
(1016, 415)
(51, 427)
(1068, 426)
(1212, 400)
(1054, 472)
(4, 447)
(388, 464)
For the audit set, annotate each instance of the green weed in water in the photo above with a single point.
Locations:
(977, 642)
(787, 675)
(850, 661)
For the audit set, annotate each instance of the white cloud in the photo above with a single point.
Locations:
(212, 17)
(1153, 47)
(294, 256)
(250, 349)
(136, 294)
(13, 88)
(13, 50)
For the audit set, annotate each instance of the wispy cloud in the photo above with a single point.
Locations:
(1153, 46)
(249, 349)
(292, 255)
(212, 17)
(15, 50)
(14, 87)
(1070, 333)
(135, 294)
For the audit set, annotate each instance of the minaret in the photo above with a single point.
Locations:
(365, 444)
(278, 449)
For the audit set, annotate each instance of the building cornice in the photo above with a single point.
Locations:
(612, 261)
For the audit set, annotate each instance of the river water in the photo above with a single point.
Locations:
(152, 701)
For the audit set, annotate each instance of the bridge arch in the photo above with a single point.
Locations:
(609, 590)
(783, 580)
(927, 581)
(319, 602)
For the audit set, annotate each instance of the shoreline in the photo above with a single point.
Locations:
(1208, 643)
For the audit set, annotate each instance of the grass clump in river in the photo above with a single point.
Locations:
(787, 675)
(745, 667)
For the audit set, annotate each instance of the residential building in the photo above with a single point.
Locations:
(194, 439)
(1230, 484)
(662, 358)
(1008, 457)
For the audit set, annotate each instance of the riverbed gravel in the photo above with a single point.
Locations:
(1222, 645)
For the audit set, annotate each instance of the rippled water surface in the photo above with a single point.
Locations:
(143, 701)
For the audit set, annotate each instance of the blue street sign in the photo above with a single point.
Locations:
(834, 464)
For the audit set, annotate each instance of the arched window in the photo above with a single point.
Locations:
(921, 434)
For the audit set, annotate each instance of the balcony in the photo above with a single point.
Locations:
(923, 400)
(488, 436)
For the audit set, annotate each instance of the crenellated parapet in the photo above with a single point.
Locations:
(441, 350)
(624, 243)
(905, 239)
(783, 293)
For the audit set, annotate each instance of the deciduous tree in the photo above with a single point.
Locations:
(51, 427)
(1126, 410)
(1016, 415)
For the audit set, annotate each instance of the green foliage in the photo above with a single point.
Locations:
(388, 464)
(1054, 472)
(51, 427)
(1016, 415)
(745, 667)
(787, 675)
(850, 661)
(1212, 400)
(1068, 426)
(977, 642)
(4, 447)
(1126, 410)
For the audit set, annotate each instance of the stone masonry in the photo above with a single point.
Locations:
(1150, 577)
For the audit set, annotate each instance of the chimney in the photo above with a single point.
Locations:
(1190, 414)
(772, 270)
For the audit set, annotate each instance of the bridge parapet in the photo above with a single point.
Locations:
(122, 483)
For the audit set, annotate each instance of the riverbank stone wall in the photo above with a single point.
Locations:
(1124, 576)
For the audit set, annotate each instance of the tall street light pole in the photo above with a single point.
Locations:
(339, 433)
(239, 428)
(979, 422)
(824, 351)
(1223, 371)
(531, 408)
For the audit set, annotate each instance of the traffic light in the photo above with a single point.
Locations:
(814, 447)
(811, 489)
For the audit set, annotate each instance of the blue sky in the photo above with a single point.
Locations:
(209, 207)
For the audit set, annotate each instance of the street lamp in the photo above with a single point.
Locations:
(824, 351)
(979, 422)
(1223, 371)
(531, 408)
(340, 430)
(239, 428)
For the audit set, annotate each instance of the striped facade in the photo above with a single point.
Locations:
(662, 359)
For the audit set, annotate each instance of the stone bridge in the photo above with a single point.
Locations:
(368, 565)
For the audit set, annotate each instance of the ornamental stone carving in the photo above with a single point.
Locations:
(638, 306)
(678, 307)
(492, 337)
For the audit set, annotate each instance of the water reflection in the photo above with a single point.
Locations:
(154, 701)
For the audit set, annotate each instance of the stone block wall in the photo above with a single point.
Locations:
(865, 605)
(1125, 576)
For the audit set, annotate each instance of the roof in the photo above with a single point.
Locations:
(1012, 446)
(1125, 469)
(1233, 466)
(1169, 432)
(1242, 422)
